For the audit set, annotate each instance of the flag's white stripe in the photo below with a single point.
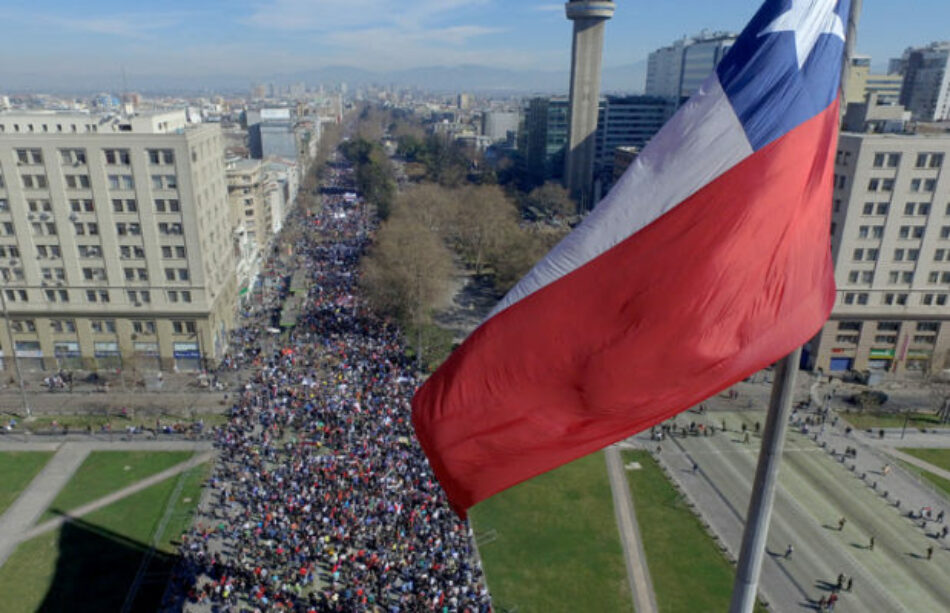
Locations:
(702, 141)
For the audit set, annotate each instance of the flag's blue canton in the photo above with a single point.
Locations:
(762, 79)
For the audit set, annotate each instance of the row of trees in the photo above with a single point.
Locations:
(375, 177)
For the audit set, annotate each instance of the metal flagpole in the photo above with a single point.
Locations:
(773, 438)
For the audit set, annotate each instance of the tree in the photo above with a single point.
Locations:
(432, 205)
(552, 199)
(406, 273)
(486, 219)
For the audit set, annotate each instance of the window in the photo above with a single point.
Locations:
(169, 274)
(889, 298)
(928, 326)
(924, 339)
(89, 251)
(909, 208)
(143, 327)
(877, 231)
(23, 325)
(862, 298)
(121, 182)
(73, 157)
(923, 208)
(847, 338)
(873, 185)
(936, 160)
(77, 181)
(872, 255)
(889, 339)
(898, 255)
(180, 251)
(893, 160)
(902, 299)
(893, 277)
(927, 300)
(930, 185)
(879, 159)
(34, 181)
(100, 295)
(164, 182)
(945, 232)
(849, 298)
(161, 156)
(124, 206)
(850, 325)
(913, 254)
(887, 185)
(182, 274)
(868, 208)
(882, 208)
(29, 156)
(853, 276)
(933, 277)
(892, 326)
(939, 255)
(166, 252)
(858, 255)
(56, 295)
(863, 231)
(129, 274)
(915, 185)
(118, 157)
(867, 276)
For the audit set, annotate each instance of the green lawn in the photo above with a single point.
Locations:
(688, 570)
(939, 458)
(882, 419)
(551, 544)
(104, 472)
(118, 423)
(18, 469)
(89, 564)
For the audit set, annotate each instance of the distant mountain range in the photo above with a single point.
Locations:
(627, 78)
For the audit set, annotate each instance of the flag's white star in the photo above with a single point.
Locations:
(808, 19)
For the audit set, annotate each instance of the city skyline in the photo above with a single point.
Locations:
(255, 39)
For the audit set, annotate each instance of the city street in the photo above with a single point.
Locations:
(816, 489)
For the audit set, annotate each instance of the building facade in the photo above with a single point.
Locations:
(115, 249)
(891, 248)
(926, 86)
(677, 71)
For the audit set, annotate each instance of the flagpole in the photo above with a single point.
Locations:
(773, 438)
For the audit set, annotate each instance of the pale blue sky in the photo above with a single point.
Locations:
(52, 38)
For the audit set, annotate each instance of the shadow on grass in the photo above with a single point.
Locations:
(96, 567)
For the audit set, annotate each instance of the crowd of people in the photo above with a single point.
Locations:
(321, 499)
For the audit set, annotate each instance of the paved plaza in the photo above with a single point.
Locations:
(818, 486)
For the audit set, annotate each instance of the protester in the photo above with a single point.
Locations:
(321, 499)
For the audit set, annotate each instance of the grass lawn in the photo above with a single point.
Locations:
(104, 472)
(18, 469)
(688, 570)
(883, 419)
(939, 458)
(552, 544)
(89, 564)
(118, 423)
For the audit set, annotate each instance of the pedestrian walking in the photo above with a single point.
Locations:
(850, 584)
(840, 580)
(788, 551)
(871, 544)
(930, 552)
(841, 522)
(695, 467)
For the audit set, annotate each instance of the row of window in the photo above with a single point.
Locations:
(890, 339)
(900, 255)
(891, 326)
(112, 157)
(99, 296)
(122, 228)
(102, 326)
(80, 205)
(890, 298)
(897, 276)
(82, 181)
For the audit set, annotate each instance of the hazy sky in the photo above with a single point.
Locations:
(256, 38)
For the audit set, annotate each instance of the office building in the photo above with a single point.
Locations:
(926, 87)
(500, 126)
(891, 248)
(677, 71)
(115, 242)
(544, 137)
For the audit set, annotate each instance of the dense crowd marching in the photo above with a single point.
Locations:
(321, 500)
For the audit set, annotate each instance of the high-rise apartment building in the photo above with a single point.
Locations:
(926, 87)
(891, 248)
(115, 242)
(677, 71)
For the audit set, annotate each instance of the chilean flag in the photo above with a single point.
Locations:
(709, 260)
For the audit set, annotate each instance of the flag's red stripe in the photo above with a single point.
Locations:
(724, 284)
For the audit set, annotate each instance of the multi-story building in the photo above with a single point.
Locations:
(250, 231)
(115, 241)
(629, 121)
(926, 87)
(891, 248)
(677, 71)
